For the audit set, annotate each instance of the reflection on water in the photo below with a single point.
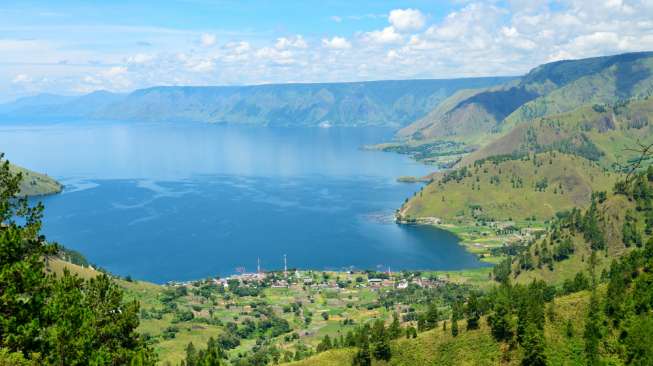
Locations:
(184, 201)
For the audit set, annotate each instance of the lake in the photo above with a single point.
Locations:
(181, 201)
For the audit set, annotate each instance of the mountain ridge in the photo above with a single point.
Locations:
(547, 89)
(379, 103)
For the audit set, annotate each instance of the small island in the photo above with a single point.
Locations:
(409, 179)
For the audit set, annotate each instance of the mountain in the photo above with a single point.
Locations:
(508, 188)
(53, 106)
(382, 103)
(40, 100)
(35, 184)
(475, 116)
(599, 132)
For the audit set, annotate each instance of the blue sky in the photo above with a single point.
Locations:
(73, 47)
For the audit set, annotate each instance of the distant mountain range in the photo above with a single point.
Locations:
(378, 103)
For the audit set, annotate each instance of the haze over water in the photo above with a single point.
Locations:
(181, 201)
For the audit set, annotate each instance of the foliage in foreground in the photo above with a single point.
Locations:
(45, 320)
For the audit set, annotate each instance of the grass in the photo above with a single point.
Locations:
(613, 212)
(478, 347)
(332, 357)
(488, 192)
(613, 130)
(57, 267)
(36, 184)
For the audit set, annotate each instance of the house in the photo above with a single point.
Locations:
(375, 282)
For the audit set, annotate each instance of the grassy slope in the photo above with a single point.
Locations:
(447, 122)
(613, 212)
(332, 302)
(613, 131)
(558, 87)
(457, 202)
(477, 347)
(36, 184)
(442, 108)
(148, 295)
(624, 80)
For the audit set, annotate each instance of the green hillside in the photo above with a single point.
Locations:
(509, 188)
(477, 347)
(605, 80)
(599, 132)
(580, 294)
(36, 184)
(614, 224)
(480, 116)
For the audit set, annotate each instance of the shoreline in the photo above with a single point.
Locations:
(476, 239)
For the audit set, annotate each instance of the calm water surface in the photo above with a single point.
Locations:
(184, 201)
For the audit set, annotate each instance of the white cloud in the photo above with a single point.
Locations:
(21, 78)
(208, 39)
(407, 19)
(139, 58)
(238, 47)
(476, 38)
(387, 35)
(115, 71)
(291, 42)
(336, 43)
(274, 55)
(203, 66)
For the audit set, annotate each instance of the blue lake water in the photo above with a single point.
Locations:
(184, 201)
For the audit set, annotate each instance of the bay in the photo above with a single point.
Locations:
(180, 201)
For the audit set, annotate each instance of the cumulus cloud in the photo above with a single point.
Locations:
(139, 58)
(336, 43)
(407, 19)
(476, 38)
(291, 42)
(387, 35)
(208, 39)
(275, 55)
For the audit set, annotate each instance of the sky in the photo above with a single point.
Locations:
(75, 47)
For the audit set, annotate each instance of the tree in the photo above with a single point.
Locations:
(429, 320)
(325, 344)
(592, 333)
(473, 311)
(500, 320)
(533, 343)
(394, 330)
(455, 315)
(214, 354)
(639, 343)
(362, 356)
(66, 320)
(454, 327)
(191, 355)
(382, 349)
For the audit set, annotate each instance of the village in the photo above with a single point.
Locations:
(322, 280)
